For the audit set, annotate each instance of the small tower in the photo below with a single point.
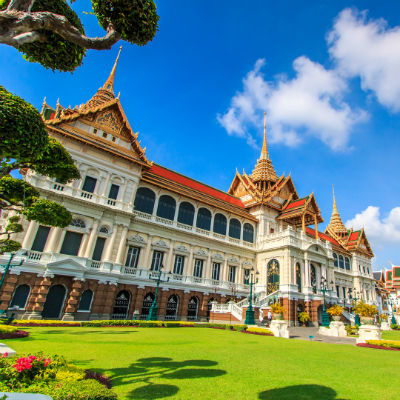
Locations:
(264, 173)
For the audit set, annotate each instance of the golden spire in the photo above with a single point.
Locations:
(336, 224)
(109, 85)
(106, 92)
(264, 170)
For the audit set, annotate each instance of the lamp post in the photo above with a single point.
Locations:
(324, 289)
(393, 320)
(153, 312)
(6, 268)
(250, 311)
(357, 320)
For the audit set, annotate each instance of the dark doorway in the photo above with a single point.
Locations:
(54, 302)
(172, 308)
(121, 305)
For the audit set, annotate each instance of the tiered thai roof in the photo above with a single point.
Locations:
(336, 225)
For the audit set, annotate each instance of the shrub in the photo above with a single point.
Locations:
(171, 324)
(8, 329)
(304, 317)
(40, 322)
(364, 309)
(395, 327)
(383, 317)
(260, 331)
(277, 308)
(239, 327)
(335, 311)
(351, 330)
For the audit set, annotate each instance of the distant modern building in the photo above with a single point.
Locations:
(131, 216)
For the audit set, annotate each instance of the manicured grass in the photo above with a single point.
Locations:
(195, 363)
(391, 335)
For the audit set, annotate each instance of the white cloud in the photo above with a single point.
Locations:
(380, 231)
(371, 50)
(311, 103)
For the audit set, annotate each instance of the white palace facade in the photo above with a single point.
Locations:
(132, 216)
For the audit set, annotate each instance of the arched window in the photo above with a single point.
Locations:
(144, 200)
(166, 207)
(298, 277)
(219, 224)
(104, 229)
(172, 308)
(347, 263)
(147, 302)
(20, 296)
(54, 303)
(234, 228)
(78, 223)
(186, 213)
(193, 308)
(341, 261)
(248, 233)
(121, 305)
(313, 278)
(203, 219)
(272, 276)
(335, 260)
(86, 301)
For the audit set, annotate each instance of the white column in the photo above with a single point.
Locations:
(224, 271)
(122, 246)
(122, 196)
(105, 187)
(52, 244)
(110, 245)
(92, 240)
(169, 264)
(189, 265)
(146, 261)
(82, 248)
(133, 194)
(30, 234)
(207, 271)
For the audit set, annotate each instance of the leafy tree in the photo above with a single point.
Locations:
(25, 145)
(50, 32)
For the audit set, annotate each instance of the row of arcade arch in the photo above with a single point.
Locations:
(145, 201)
(56, 297)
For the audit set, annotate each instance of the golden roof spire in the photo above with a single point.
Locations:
(109, 85)
(264, 170)
(106, 92)
(336, 224)
(264, 151)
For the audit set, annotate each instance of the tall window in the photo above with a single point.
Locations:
(86, 301)
(347, 263)
(198, 268)
(313, 278)
(133, 257)
(186, 213)
(166, 207)
(113, 193)
(246, 277)
(234, 228)
(335, 260)
(344, 292)
(248, 233)
(219, 224)
(341, 261)
(216, 268)
(20, 296)
(157, 260)
(98, 249)
(337, 291)
(144, 200)
(272, 276)
(72, 243)
(40, 238)
(203, 219)
(178, 265)
(193, 308)
(298, 277)
(232, 273)
(89, 184)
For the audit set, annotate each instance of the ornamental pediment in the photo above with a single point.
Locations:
(182, 248)
(137, 238)
(200, 252)
(160, 243)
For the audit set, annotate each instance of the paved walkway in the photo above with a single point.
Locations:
(305, 333)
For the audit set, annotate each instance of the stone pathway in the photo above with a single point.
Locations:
(305, 333)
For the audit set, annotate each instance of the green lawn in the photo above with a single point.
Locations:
(195, 363)
(391, 335)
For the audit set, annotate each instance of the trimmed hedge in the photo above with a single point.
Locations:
(259, 331)
(44, 322)
(387, 344)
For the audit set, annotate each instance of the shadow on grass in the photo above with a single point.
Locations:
(145, 370)
(299, 392)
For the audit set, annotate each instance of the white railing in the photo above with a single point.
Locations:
(231, 308)
(348, 316)
(129, 271)
(265, 300)
(34, 255)
(95, 264)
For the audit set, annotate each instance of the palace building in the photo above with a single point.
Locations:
(132, 217)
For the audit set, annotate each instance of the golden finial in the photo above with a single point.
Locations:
(336, 223)
(264, 151)
(109, 85)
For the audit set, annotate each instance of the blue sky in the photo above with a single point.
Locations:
(326, 73)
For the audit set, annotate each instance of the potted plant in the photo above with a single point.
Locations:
(277, 310)
(367, 312)
(383, 317)
(304, 317)
(335, 312)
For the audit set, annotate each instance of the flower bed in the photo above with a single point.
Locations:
(52, 376)
(258, 331)
(44, 322)
(381, 344)
(11, 332)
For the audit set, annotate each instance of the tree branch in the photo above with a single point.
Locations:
(17, 28)
(21, 5)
